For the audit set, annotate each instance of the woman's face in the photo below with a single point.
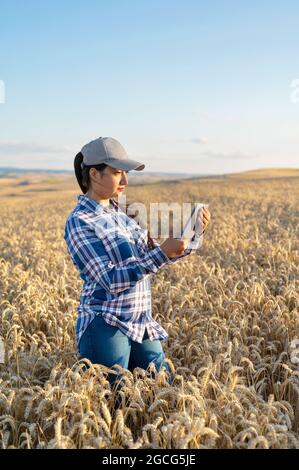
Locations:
(108, 183)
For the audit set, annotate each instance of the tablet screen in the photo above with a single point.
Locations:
(191, 225)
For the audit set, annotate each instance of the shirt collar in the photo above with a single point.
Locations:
(92, 204)
(89, 203)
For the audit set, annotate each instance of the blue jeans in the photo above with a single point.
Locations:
(105, 344)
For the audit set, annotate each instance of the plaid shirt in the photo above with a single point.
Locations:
(115, 265)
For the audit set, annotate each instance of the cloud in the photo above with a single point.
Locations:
(19, 148)
(228, 155)
(200, 114)
(194, 140)
(200, 140)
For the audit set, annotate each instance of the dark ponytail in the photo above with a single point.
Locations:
(82, 172)
(78, 171)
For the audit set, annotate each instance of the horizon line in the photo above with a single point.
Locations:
(57, 170)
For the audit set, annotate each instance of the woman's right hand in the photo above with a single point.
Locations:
(174, 246)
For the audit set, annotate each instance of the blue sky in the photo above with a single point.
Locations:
(185, 86)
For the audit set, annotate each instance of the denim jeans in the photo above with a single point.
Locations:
(105, 344)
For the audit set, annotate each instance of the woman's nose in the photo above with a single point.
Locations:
(124, 179)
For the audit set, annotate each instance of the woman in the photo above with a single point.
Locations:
(114, 324)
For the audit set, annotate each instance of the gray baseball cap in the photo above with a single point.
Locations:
(110, 151)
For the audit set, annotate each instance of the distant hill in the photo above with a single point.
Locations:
(25, 177)
(263, 173)
(266, 173)
(10, 170)
(135, 177)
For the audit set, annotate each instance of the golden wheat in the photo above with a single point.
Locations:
(231, 312)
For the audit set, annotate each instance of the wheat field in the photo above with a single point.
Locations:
(231, 312)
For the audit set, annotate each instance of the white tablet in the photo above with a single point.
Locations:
(191, 224)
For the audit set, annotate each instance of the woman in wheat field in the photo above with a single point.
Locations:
(114, 323)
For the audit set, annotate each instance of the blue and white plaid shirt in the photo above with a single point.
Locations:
(115, 269)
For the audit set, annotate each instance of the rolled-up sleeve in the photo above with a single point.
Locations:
(95, 262)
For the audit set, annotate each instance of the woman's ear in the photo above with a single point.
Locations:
(93, 173)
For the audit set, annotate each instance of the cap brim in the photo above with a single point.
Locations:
(126, 165)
